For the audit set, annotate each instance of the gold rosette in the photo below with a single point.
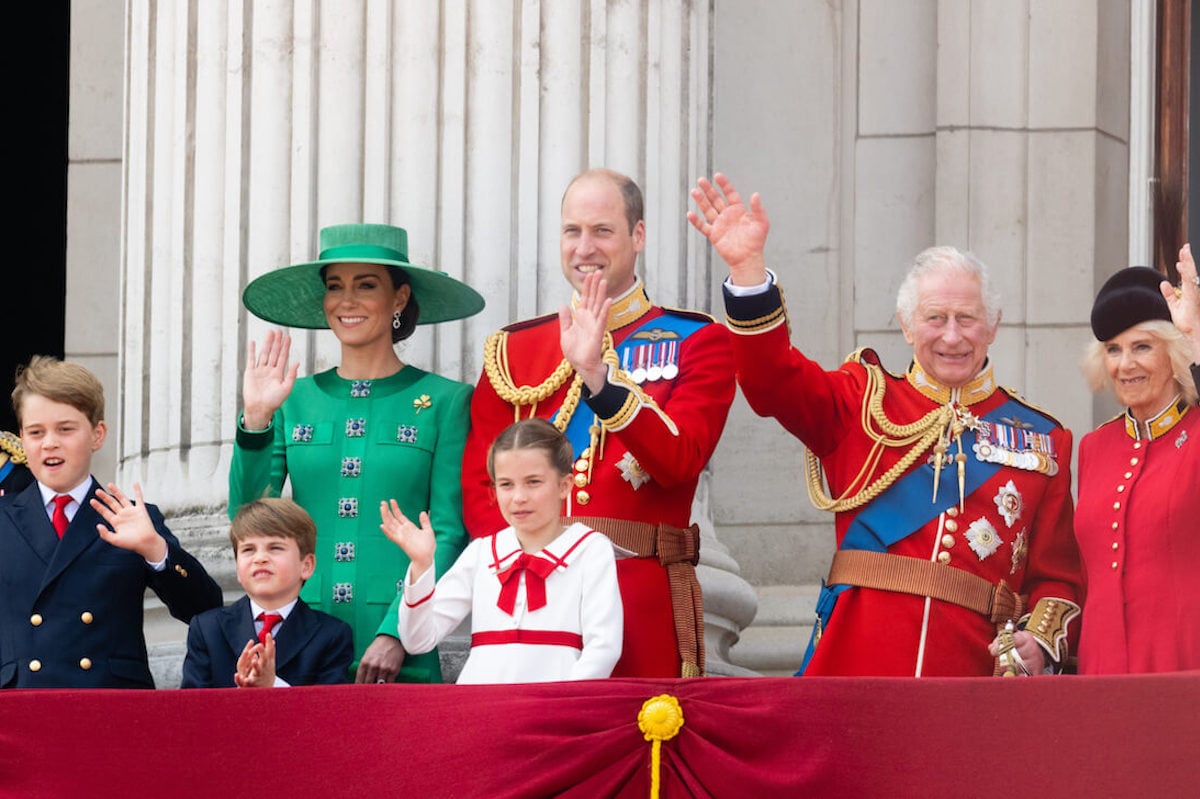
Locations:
(660, 719)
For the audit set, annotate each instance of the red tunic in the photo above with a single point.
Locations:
(647, 468)
(1138, 527)
(886, 633)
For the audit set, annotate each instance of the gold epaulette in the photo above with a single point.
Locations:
(869, 357)
(688, 313)
(1048, 621)
(1016, 397)
(11, 444)
(525, 324)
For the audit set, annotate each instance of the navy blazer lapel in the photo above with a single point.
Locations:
(237, 626)
(33, 525)
(80, 534)
(295, 634)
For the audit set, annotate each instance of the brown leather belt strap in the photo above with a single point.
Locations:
(677, 549)
(908, 575)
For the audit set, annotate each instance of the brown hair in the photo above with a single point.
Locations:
(275, 517)
(631, 194)
(533, 434)
(59, 381)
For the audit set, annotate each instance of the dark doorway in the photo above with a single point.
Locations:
(36, 241)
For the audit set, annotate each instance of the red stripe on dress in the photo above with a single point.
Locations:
(536, 637)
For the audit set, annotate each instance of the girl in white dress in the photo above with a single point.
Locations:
(543, 598)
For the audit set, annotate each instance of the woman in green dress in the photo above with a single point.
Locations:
(370, 429)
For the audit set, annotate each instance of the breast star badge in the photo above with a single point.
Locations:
(1009, 503)
(632, 471)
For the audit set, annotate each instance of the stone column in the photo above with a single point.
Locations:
(251, 125)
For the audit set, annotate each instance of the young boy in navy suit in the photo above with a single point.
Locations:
(75, 560)
(270, 637)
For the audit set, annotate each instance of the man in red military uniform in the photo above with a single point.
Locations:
(952, 495)
(642, 392)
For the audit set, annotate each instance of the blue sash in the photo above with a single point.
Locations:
(578, 429)
(907, 506)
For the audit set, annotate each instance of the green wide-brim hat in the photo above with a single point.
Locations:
(293, 296)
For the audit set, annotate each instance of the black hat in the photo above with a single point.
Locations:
(1127, 298)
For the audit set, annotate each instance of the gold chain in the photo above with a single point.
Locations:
(919, 436)
(495, 365)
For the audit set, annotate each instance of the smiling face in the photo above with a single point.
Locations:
(1139, 365)
(596, 236)
(360, 303)
(530, 492)
(271, 569)
(59, 442)
(949, 331)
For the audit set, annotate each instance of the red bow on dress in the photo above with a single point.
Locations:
(536, 571)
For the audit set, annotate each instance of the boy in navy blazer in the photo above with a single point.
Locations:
(270, 637)
(75, 560)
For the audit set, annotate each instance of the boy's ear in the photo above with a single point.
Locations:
(99, 433)
(307, 564)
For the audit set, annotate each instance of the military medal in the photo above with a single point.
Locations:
(671, 369)
(654, 373)
(1015, 446)
(639, 370)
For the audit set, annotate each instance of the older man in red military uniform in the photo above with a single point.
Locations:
(952, 495)
(642, 392)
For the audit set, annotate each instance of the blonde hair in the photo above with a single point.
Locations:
(1096, 373)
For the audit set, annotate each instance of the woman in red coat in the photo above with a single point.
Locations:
(1139, 477)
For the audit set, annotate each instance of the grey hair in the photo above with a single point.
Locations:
(1178, 351)
(939, 259)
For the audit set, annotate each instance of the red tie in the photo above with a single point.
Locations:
(536, 571)
(269, 621)
(59, 519)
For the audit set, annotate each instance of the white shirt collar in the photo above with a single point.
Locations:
(284, 611)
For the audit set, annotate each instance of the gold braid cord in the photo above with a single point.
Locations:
(918, 436)
(495, 366)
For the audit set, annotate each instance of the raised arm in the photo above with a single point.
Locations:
(1185, 306)
(738, 235)
(267, 380)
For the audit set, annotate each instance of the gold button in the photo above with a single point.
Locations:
(952, 525)
(1114, 565)
(1133, 461)
(1128, 475)
(581, 465)
(1114, 525)
(182, 571)
(587, 452)
(943, 557)
(952, 511)
(1120, 489)
(1116, 546)
(1138, 445)
(35, 665)
(36, 619)
(86, 617)
(583, 497)
(85, 663)
(947, 541)
(581, 479)
(1116, 506)
(1042, 627)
